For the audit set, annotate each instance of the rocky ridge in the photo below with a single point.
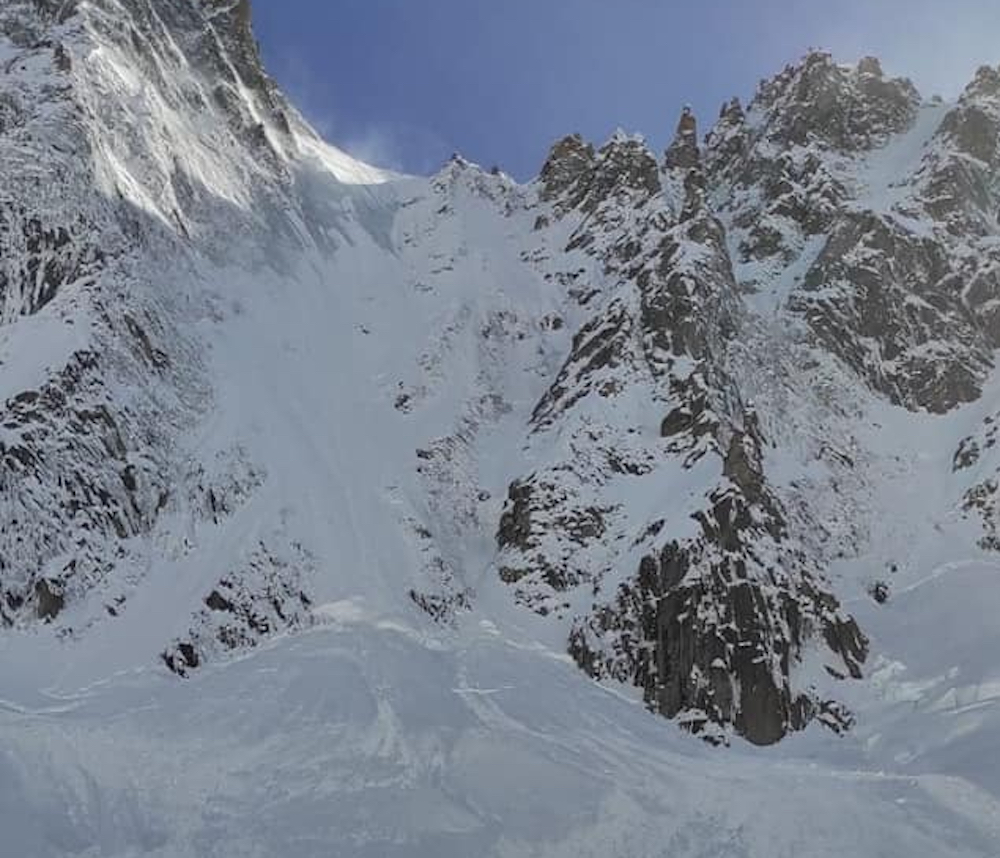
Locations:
(781, 210)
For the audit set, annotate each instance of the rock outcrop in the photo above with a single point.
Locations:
(712, 620)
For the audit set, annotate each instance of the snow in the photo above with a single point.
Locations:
(30, 350)
(340, 165)
(882, 175)
(360, 741)
(375, 735)
(372, 368)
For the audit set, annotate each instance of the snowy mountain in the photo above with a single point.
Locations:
(649, 508)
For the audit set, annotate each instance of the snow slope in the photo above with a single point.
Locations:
(364, 738)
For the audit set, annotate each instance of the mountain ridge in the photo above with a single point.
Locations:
(701, 423)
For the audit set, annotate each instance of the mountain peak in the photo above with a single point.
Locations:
(870, 66)
(683, 152)
(985, 82)
(849, 108)
(233, 21)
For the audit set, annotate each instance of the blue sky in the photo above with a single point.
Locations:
(405, 83)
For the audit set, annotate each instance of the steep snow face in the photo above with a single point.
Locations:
(134, 148)
(319, 485)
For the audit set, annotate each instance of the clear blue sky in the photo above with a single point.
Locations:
(407, 82)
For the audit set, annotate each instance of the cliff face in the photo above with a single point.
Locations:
(722, 596)
(827, 244)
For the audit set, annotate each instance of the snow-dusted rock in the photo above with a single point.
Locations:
(705, 426)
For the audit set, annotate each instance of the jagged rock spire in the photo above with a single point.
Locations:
(728, 141)
(973, 128)
(570, 159)
(870, 66)
(985, 82)
(850, 109)
(577, 176)
(684, 155)
(239, 11)
(683, 152)
(732, 112)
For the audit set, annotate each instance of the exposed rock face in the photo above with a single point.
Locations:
(894, 302)
(570, 163)
(712, 621)
(882, 298)
(846, 109)
(576, 178)
(49, 599)
(263, 597)
(67, 438)
(683, 152)
(89, 462)
(980, 501)
(709, 633)
(232, 21)
(708, 627)
(973, 126)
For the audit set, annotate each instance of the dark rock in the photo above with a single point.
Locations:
(63, 61)
(260, 598)
(182, 658)
(678, 421)
(217, 602)
(743, 463)
(985, 83)
(568, 165)
(876, 283)
(129, 479)
(848, 109)
(728, 143)
(156, 357)
(880, 592)
(442, 608)
(683, 153)
(975, 132)
(710, 640)
(515, 524)
(49, 599)
(966, 455)
(622, 164)
(845, 638)
(870, 66)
